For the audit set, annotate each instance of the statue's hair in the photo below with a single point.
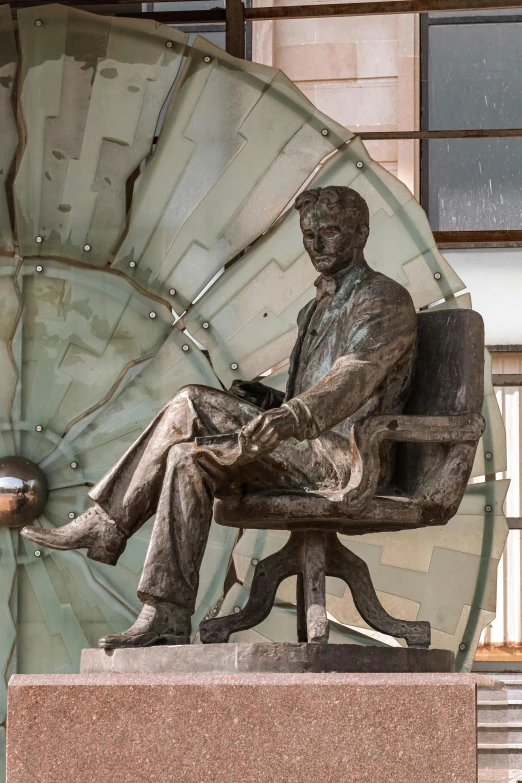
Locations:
(333, 197)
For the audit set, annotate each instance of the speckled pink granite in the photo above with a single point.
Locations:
(242, 728)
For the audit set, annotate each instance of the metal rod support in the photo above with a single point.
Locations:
(470, 237)
(181, 17)
(477, 133)
(493, 133)
(235, 31)
(376, 7)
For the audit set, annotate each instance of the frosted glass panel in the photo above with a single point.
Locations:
(8, 132)
(91, 92)
(81, 331)
(237, 142)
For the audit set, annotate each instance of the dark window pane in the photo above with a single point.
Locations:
(475, 76)
(475, 184)
(474, 81)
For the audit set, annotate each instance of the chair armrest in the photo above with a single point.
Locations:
(460, 428)
(366, 438)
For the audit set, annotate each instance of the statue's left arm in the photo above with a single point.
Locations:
(382, 328)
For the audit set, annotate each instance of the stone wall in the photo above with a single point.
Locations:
(361, 71)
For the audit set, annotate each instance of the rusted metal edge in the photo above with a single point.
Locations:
(211, 15)
(507, 380)
(476, 237)
(375, 7)
(370, 8)
(83, 3)
(477, 133)
(235, 29)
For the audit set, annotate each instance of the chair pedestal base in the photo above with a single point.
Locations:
(313, 555)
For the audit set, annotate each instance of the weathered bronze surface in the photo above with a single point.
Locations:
(23, 491)
(319, 458)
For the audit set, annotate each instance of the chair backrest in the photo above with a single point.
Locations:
(448, 379)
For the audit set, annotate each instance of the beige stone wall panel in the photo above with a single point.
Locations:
(362, 71)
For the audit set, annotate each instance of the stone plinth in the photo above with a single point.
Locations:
(233, 728)
(276, 657)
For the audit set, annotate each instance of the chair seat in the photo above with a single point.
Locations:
(292, 510)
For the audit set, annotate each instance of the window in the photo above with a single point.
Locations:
(472, 79)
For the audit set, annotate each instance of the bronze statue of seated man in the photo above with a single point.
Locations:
(353, 359)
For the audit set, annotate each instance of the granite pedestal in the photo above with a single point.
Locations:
(238, 727)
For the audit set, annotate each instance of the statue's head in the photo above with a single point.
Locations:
(335, 223)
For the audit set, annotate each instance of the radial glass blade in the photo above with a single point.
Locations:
(8, 131)
(491, 455)
(10, 311)
(92, 88)
(238, 141)
(98, 441)
(81, 332)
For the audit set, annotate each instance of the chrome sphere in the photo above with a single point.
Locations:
(23, 491)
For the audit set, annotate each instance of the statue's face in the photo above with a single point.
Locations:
(331, 236)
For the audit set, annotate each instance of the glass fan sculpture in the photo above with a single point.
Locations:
(107, 238)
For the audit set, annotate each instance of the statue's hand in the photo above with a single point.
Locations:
(266, 431)
(257, 393)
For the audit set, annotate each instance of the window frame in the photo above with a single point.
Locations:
(426, 21)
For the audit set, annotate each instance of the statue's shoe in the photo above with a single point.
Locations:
(158, 623)
(93, 530)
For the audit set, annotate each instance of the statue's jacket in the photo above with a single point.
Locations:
(353, 358)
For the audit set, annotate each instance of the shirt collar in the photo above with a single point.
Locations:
(328, 286)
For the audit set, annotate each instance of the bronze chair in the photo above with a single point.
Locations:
(436, 436)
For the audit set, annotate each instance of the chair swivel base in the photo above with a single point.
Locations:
(313, 555)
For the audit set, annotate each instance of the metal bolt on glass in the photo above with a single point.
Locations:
(37, 553)
(324, 132)
(233, 366)
(172, 291)
(38, 23)
(169, 44)
(38, 240)
(71, 515)
(255, 561)
(237, 609)
(206, 59)
(74, 465)
(38, 428)
(205, 324)
(87, 248)
(359, 164)
(488, 455)
(185, 347)
(462, 646)
(152, 314)
(437, 275)
(132, 264)
(39, 268)
(489, 508)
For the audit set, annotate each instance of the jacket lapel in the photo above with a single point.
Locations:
(303, 321)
